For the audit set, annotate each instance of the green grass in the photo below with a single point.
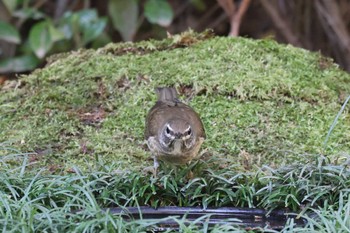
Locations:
(267, 108)
(33, 200)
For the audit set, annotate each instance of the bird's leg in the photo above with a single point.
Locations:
(190, 174)
(155, 166)
(152, 169)
(204, 155)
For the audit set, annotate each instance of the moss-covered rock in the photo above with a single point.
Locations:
(261, 102)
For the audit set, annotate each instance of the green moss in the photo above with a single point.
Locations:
(261, 102)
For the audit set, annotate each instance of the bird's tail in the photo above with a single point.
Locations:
(166, 94)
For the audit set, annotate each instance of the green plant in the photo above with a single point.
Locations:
(45, 35)
(35, 200)
(48, 34)
(335, 121)
(126, 18)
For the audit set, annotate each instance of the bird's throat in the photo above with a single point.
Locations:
(177, 147)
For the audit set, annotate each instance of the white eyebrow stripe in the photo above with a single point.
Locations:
(188, 128)
(167, 125)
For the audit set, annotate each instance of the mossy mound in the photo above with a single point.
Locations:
(261, 102)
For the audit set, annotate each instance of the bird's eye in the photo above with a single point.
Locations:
(189, 131)
(167, 130)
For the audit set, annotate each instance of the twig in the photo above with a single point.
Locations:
(236, 19)
(335, 28)
(234, 14)
(280, 22)
(228, 6)
(61, 7)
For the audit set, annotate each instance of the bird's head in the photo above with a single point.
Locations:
(177, 136)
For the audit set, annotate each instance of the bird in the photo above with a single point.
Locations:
(174, 132)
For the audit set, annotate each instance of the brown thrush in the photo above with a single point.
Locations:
(174, 131)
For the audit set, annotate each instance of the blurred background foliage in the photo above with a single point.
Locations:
(31, 30)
